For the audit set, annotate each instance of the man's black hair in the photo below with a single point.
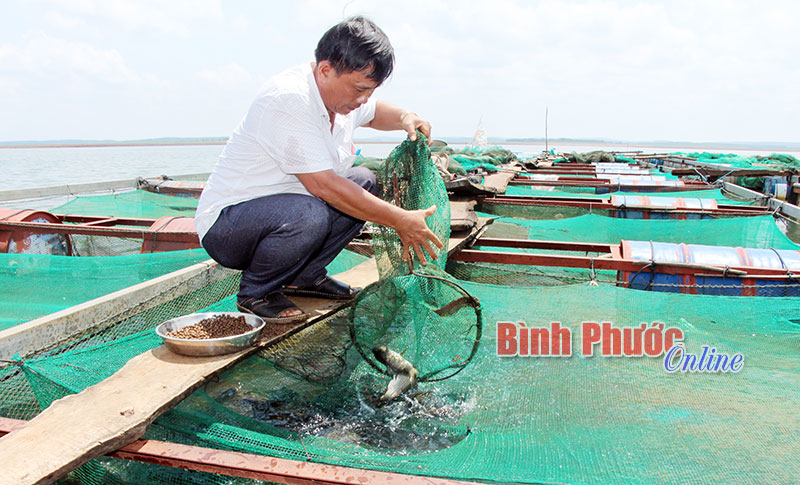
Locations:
(357, 44)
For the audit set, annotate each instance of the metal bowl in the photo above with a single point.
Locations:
(212, 346)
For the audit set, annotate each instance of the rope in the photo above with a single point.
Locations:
(719, 182)
(592, 274)
(702, 177)
(783, 263)
(651, 265)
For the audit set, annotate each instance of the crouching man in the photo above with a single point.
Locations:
(283, 200)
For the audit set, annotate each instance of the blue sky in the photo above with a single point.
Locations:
(678, 70)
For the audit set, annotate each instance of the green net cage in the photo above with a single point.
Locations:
(315, 396)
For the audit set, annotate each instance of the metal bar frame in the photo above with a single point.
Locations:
(611, 259)
(98, 220)
(87, 229)
(576, 171)
(605, 204)
(612, 249)
(732, 172)
(246, 465)
(597, 183)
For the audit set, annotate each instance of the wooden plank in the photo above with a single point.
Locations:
(784, 208)
(117, 411)
(781, 207)
(465, 186)
(498, 182)
(103, 417)
(492, 184)
(462, 215)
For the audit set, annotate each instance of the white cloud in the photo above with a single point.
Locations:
(231, 76)
(626, 69)
(681, 65)
(42, 55)
(66, 22)
(171, 17)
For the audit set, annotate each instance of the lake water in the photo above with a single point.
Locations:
(45, 167)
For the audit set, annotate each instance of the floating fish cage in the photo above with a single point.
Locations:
(723, 273)
(558, 205)
(41, 232)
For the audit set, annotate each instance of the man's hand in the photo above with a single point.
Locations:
(389, 117)
(351, 199)
(412, 122)
(415, 235)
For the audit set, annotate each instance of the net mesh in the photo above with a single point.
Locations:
(523, 420)
(576, 420)
(747, 232)
(716, 194)
(415, 309)
(408, 179)
(134, 203)
(34, 285)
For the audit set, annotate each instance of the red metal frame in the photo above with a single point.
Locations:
(584, 170)
(611, 259)
(246, 465)
(605, 204)
(568, 166)
(108, 226)
(601, 183)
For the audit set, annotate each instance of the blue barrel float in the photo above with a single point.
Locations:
(777, 187)
(625, 207)
(720, 256)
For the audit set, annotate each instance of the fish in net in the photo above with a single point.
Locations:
(416, 310)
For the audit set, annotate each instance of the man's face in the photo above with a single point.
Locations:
(342, 93)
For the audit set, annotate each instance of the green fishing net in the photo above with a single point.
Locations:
(134, 203)
(415, 309)
(456, 161)
(408, 179)
(500, 420)
(742, 161)
(775, 161)
(506, 420)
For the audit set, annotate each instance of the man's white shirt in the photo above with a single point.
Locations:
(286, 131)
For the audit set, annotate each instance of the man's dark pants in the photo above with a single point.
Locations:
(283, 239)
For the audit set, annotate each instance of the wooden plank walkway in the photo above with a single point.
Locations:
(115, 412)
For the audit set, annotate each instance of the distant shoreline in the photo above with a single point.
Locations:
(112, 144)
(755, 146)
